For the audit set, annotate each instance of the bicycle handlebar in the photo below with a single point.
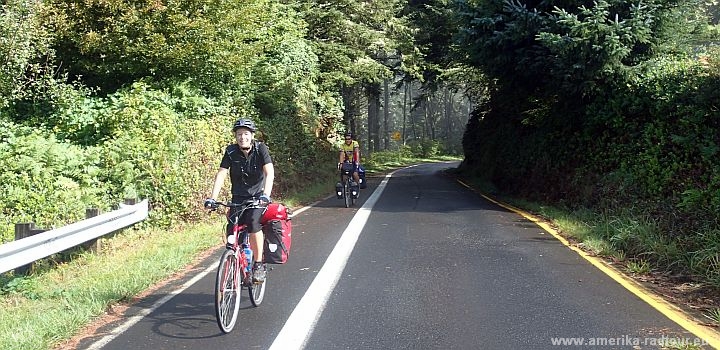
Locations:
(247, 204)
(252, 203)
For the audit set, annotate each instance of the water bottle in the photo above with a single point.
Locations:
(249, 257)
(231, 240)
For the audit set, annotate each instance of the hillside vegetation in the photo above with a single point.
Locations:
(102, 101)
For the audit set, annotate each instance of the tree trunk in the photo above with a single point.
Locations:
(386, 115)
(373, 93)
(412, 117)
(404, 110)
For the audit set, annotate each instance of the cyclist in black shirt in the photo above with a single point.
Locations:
(252, 175)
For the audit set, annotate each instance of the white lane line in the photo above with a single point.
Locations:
(302, 321)
(144, 312)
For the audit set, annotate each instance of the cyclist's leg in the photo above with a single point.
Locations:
(256, 242)
(257, 239)
(251, 218)
(229, 226)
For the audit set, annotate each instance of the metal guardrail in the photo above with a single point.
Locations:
(27, 250)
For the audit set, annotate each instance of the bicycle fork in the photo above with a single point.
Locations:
(243, 253)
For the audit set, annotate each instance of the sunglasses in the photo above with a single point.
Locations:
(348, 139)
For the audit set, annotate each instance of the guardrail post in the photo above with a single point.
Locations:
(92, 245)
(23, 230)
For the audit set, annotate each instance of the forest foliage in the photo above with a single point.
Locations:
(107, 100)
(608, 105)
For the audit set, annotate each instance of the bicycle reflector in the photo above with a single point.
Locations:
(274, 211)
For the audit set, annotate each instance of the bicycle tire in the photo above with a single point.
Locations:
(257, 291)
(228, 289)
(348, 195)
(353, 199)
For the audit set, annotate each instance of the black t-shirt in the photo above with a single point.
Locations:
(246, 173)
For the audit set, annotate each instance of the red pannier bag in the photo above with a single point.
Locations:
(277, 230)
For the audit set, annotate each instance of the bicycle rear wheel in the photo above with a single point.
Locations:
(257, 291)
(227, 291)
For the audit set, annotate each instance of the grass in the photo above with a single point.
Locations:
(639, 267)
(714, 315)
(43, 309)
(40, 311)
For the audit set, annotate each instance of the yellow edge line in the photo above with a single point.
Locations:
(675, 314)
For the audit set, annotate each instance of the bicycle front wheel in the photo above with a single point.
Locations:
(227, 291)
(352, 201)
(348, 195)
(257, 291)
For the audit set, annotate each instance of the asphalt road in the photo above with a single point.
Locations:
(424, 264)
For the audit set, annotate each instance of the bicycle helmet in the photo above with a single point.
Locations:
(349, 134)
(244, 123)
(274, 211)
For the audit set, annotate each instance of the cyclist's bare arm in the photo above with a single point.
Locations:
(269, 171)
(342, 156)
(219, 182)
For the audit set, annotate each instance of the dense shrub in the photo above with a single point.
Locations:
(425, 148)
(160, 147)
(147, 144)
(24, 41)
(45, 181)
(646, 148)
(661, 134)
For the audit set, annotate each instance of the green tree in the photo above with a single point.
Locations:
(114, 43)
(24, 50)
(547, 61)
(349, 38)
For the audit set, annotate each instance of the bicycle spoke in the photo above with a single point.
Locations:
(227, 293)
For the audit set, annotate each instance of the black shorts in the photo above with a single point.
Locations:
(251, 218)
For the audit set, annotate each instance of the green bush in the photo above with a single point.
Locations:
(25, 41)
(154, 151)
(44, 180)
(425, 148)
(646, 146)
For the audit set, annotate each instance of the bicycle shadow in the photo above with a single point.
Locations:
(185, 318)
